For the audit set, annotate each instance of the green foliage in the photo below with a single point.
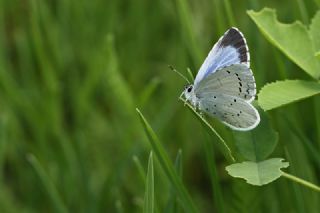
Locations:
(315, 31)
(167, 166)
(48, 185)
(258, 173)
(304, 54)
(279, 93)
(73, 72)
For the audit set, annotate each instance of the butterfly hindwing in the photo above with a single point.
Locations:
(231, 48)
(234, 112)
(234, 80)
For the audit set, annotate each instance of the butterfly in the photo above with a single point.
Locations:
(225, 87)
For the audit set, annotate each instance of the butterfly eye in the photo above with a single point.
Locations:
(189, 89)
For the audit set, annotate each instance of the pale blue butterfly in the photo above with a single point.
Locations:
(225, 86)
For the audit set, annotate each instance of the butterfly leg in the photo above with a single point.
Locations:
(198, 109)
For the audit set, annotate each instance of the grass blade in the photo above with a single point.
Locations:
(149, 194)
(48, 184)
(173, 205)
(229, 12)
(218, 16)
(215, 186)
(167, 166)
(140, 168)
(188, 29)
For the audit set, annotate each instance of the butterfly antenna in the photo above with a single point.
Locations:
(179, 73)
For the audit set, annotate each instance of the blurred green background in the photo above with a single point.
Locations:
(72, 73)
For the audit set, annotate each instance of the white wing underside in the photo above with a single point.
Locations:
(235, 80)
(234, 112)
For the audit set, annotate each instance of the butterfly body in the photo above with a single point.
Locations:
(225, 86)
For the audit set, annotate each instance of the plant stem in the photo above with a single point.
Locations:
(212, 129)
(301, 181)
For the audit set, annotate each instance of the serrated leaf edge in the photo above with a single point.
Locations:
(275, 18)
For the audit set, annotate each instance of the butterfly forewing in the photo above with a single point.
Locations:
(234, 80)
(234, 112)
(230, 49)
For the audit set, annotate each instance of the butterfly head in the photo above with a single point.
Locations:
(188, 91)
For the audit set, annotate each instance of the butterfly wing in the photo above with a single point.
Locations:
(231, 48)
(232, 111)
(235, 80)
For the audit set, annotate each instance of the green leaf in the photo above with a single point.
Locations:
(167, 166)
(149, 193)
(259, 143)
(279, 93)
(288, 38)
(315, 31)
(258, 173)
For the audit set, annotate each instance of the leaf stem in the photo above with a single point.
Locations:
(301, 181)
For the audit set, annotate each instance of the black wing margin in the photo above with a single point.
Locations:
(233, 37)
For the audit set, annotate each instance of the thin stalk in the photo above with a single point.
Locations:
(149, 189)
(215, 187)
(224, 144)
(301, 181)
